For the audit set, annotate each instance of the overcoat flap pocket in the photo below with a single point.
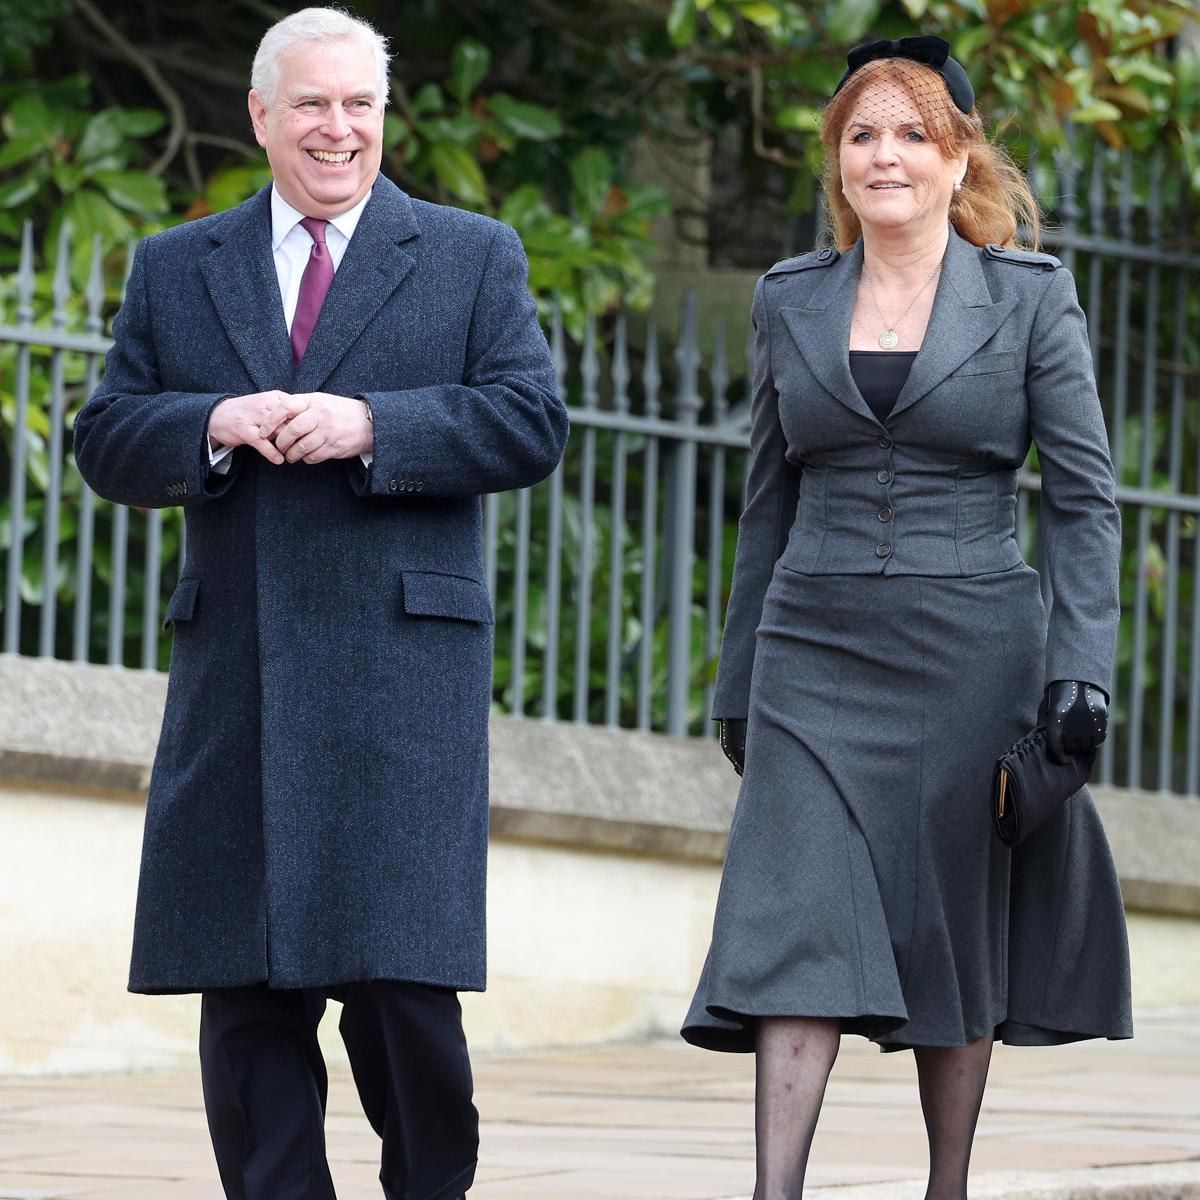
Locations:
(430, 594)
(182, 605)
(990, 364)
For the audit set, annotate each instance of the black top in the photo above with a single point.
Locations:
(879, 375)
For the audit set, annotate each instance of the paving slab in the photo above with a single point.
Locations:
(662, 1121)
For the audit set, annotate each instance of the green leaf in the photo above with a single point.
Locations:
(463, 128)
(20, 149)
(848, 20)
(90, 213)
(468, 68)
(766, 16)
(29, 117)
(1096, 110)
(17, 192)
(529, 121)
(801, 117)
(395, 131)
(459, 173)
(681, 22)
(429, 99)
(141, 122)
(591, 175)
(524, 207)
(228, 188)
(136, 191)
(103, 134)
(721, 22)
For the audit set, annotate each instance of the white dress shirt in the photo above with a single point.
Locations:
(291, 247)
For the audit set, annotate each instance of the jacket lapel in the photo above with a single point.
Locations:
(372, 269)
(964, 317)
(241, 279)
(821, 330)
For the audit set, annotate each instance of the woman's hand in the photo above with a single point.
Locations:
(733, 742)
(1075, 715)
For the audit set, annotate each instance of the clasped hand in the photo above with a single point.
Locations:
(310, 427)
(1075, 716)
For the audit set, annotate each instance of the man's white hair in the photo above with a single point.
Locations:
(313, 25)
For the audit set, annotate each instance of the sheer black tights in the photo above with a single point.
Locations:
(793, 1058)
(952, 1080)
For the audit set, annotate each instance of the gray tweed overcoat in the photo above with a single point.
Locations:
(886, 642)
(318, 807)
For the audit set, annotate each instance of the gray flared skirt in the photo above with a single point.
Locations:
(863, 879)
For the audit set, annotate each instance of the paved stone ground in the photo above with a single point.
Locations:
(665, 1122)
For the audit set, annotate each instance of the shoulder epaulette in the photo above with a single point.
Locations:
(806, 262)
(1032, 259)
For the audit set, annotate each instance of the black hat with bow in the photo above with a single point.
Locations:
(931, 51)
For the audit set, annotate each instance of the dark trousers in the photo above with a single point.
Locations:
(265, 1086)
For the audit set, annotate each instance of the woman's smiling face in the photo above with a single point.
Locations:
(893, 173)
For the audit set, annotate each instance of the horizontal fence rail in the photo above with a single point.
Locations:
(609, 579)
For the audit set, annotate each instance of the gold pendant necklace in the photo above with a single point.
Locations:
(889, 339)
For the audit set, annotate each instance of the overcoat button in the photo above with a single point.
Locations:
(884, 476)
(826, 253)
(885, 442)
(885, 514)
(883, 550)
(393, 485)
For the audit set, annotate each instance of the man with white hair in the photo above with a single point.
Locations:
(327, 378)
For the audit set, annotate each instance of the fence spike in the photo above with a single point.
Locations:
(651, 373)
(558, 349)
(590, 364)
(620, 367)
(1125, 201)
(61, 288)
(26, 280)
(95, 289)
(1097, 193)
(687, 356)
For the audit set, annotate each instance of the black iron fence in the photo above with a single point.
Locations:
(610, 578)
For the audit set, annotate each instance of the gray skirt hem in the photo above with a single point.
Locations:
(734, 1033)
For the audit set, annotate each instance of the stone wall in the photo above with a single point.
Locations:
(605, 861)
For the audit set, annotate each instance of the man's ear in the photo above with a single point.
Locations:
(258, 116)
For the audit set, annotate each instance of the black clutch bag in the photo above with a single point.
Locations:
(1028, 788)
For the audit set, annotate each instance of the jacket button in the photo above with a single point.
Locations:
(885, 514)
(825, 254)
(393, 485)
(885, 442)
(884, 476)
(883, 550)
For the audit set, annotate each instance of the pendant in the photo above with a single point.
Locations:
(889, 339)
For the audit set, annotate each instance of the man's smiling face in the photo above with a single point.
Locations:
(324, 132)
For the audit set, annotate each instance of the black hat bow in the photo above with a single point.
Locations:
(933, 52)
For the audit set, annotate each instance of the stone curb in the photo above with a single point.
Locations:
(1151, 1181)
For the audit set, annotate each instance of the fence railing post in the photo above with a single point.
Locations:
(680, 547)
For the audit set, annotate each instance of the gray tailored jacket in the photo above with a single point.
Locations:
(318, 807)
(931, 490)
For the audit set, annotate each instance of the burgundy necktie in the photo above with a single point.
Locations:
(314, 285)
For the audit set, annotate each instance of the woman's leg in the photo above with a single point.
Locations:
(793, 1057)
(952, 1080)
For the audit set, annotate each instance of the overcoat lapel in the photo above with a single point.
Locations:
(241, 279)
(821, 329)
(374, 266)
(964, 317)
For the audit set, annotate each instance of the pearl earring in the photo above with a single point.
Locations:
(958, 185)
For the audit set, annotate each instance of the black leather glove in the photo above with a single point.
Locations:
(1075, 716)
(733, 742)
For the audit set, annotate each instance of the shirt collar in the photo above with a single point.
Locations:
(285, 218)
